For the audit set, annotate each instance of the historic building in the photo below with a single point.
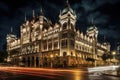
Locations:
(43, 44)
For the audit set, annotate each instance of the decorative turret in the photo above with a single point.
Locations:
(41, 17)
(41, 12)
(10, 37)
(67, 17)
(33, 17)
(92, 31)
(67, 9)
(25, 18)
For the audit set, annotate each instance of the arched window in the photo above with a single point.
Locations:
(64, 43)
(71, 53)
(72, 27)
(64, 26)
(64, 54)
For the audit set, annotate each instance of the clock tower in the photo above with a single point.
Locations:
(67, 19)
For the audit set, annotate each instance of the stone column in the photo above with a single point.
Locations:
(34, 61)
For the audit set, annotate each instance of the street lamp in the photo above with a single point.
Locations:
(113, 53)
(51, 64)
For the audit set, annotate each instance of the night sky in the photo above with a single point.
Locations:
(106, 15)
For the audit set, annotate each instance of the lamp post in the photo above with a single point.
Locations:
(114, 53)
(51, 64)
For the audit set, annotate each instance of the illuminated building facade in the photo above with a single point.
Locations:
(43, 44)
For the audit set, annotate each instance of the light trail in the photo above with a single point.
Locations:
(41, 69)
(103, 68)
(30, 71)
(41, 72)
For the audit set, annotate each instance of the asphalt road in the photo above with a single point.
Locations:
(19, 73)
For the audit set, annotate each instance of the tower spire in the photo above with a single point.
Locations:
(33, 13)
(11, 30)
(41, 11)
(92, 21)
(67, 3)
(25, 17)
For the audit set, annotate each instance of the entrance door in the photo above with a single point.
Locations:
(64, 59)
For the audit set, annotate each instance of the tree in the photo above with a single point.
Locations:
(110, 56)
(106, 56)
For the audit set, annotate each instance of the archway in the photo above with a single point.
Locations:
(28, 60)
(64, 54)
(37, 61)
(64, 26)
(32, 64)
(23, 61)
(64, 59)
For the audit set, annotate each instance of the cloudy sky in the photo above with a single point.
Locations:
(105, 13)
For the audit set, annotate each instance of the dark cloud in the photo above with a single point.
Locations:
(4, 8)
(90, 5)
(109, 33)
(98, 18)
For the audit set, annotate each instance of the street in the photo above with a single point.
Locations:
(20, 73)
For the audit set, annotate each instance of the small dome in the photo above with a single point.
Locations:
(13, 36)
(92, 28)
(67, 9)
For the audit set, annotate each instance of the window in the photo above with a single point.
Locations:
(64, 43)
(71, 35)
(71, 53)
(55, 44)
(55, 38)
(44, 41)
(45, 46)
(80, 47)
(71, 43)
(64, 35)
(72, 27)
(76, 46)
(64, 54)
(50, 46)
(49, 40)
(64, 26)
